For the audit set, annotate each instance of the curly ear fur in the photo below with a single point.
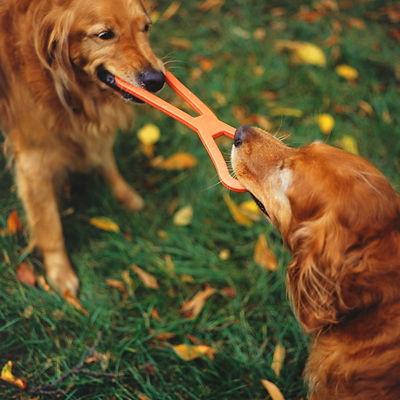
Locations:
(344, 246)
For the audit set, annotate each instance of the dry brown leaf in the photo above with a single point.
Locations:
(191, 308)
(162, 336)
(309, 16)
(176, 161)
(263, 256)
(183, 216)
(26, 274)
(188, 352)
(273, 390)
(74, 301)
(14, 224)
(118, 285)
(209, 4)
(236, 213)
(154, 314)
(228, 291)
(143, 397)
(181, 43)
(192, 338)
(7, 376)
(169, 263)
(277, 360)
(148, 280)
(171, 10)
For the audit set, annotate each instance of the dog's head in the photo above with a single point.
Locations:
(338, 215)
(87, 42)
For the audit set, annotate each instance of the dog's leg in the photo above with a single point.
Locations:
(122, 191)
(36, 187)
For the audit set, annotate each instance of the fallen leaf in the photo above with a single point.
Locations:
(356, 23)
(148, 280)
(28, 312)
(220, 98)
(162, 336)
(181, 43)
(176, 161)
(349, 144)
(326, 123)
(189, 352)
(366, 107)
(105, 224)
(149, 134)
(74, 301)
(192, 338)
(126, 276)
(154, 314)
(118, 285)
(228, 291)
(143, 397)
(14, 224)
(209, 4)
(250, 209)
(347, 72)
(235, 211)
(260, 120)
(263, 256)
(273, 390)
(26, 274)
(259, 34)
(286, 111)
(191, 308)
(303, 52)
(277, 360)
(309, 16)
(7, 376)
(183, 217)
(169, 263)
(224, 254)
(206, 64)
(171, 10)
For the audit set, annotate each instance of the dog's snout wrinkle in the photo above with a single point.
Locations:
(153, 80)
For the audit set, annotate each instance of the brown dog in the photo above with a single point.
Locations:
(340, 219)
(57, 111)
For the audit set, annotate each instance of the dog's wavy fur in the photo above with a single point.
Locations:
(340, 218)
(56, 114)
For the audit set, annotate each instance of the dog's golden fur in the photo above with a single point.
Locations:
(56, 114)
(340, 218)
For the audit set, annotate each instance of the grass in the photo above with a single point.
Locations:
(45, 337)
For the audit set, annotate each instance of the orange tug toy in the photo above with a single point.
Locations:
(206, 124)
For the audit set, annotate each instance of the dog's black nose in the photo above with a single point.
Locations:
(152, 79)
(239, 135)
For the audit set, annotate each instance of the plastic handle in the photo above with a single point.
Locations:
(207, 125)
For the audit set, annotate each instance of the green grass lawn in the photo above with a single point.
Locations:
(228, 56)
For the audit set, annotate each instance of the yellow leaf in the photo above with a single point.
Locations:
(250, 209)
(118, 285)
(176, 161)
(148, 280)
(273, 390)
(326, 123)
(309, 53)
(303, 52)
(162, 336)
(105, 224)
(209, 4)
(349, 144)
(183, 217)
(189, 352)
(237, 215)
(263, 256)
(277, 361)
(224, 254)
(44, 284)
(74, 301)
(13, 223)
(171, 10)
(286, 111)
(191, 308)
(347, 72)
(149, 134)
(7, 376)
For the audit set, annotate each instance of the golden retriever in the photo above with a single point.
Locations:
(340, 218)
(57, 110)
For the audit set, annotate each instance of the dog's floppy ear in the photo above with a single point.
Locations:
(52, 38)
(314, 275)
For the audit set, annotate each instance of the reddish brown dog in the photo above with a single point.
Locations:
(340, 218)
(57, 111)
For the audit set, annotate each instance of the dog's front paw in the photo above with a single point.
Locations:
(60, 274)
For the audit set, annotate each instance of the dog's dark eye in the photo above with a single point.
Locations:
(106, 35)
(146, 28)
